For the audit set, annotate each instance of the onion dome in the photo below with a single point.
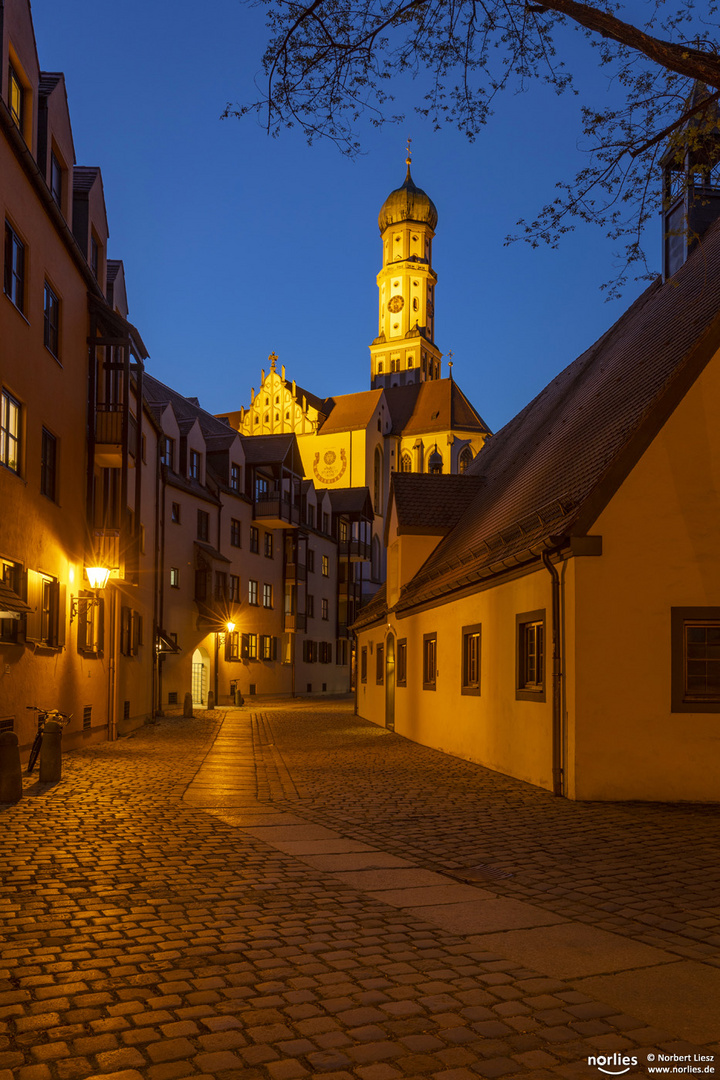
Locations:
(407, 203)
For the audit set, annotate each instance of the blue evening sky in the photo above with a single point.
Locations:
(236, 245)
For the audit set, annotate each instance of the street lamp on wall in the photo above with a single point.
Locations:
(229, 627)
(98, 578)
(221, 637)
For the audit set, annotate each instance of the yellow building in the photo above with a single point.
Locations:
(412, 419)
(554, 614)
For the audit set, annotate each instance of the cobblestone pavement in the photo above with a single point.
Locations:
(187, 902)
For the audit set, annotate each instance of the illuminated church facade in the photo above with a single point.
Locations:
(412, 419)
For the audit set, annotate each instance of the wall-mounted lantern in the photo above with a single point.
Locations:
(98, 578)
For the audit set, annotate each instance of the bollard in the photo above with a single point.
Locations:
(187, 705)
(10, 771)
(239, 699)
(211, 700)
(51, 753)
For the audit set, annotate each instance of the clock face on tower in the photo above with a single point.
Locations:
(396, 304)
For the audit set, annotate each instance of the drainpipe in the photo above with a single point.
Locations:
(157, 582)
(160, 501)
(557, 728)
(112, 667)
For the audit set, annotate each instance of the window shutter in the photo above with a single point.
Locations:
(227, 648)
(58, 595)
(245, 645)
(314, 645)
(33, 624)
(82, 641)
(125, 639)
(274, 650)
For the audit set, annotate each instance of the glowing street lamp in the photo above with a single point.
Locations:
(97, 576)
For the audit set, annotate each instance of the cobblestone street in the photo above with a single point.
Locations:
(288, 891)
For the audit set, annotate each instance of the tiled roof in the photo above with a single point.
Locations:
(211, 551)
(550, 471)
(435, 405)
(374, 610)
(11, 602)
(312, 399)
(267, 449)
(112, 268)
(431, 504)
(186, 412)
(349, 412)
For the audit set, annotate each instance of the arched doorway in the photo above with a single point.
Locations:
(390, 683)
(200, 676)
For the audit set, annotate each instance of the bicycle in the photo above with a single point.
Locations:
(43, 716)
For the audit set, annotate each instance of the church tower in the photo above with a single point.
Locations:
(404, 351)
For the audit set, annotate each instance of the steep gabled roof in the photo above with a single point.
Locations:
(268, 449)
(431, 505)
(349, 412)
(186, 410)
(548, 473)
(312, 399)
(435, 405)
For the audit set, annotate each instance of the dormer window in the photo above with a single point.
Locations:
(234, 477)
(16, 99)
(194, 470)
(56, 174)
(166, 451)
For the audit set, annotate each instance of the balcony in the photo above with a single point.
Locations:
(107, 551)
(355, 550)
(295, 571)
(109, 436)
(276, 511)
(295, 621)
